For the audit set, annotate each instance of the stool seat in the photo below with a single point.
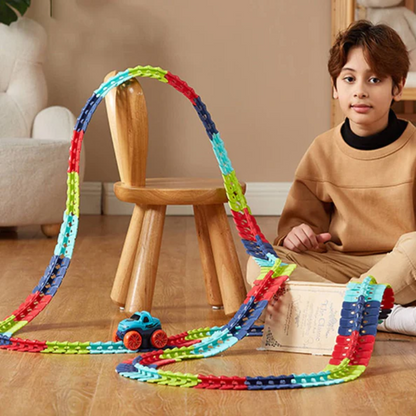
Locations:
(174, 191)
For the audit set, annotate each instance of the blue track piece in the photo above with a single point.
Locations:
(369, 330)
(5, 340)
(57, 268)
(366, 320)
(370, 307)
(253, 249)
(384, 313)
(126, 368)
(263, 263)
(108, 348)
(239, 316)
(253, 317)
(205, 117)
(256, 331)
(115, 81)
(90, 113)
(221, 154)
(370, 291)
(315, 379)
(214, 344)
(228, 343)
(66, 239)
(145, 374)
(274, 257)
(50, 289)
(137, 360)
(82, 117)
(266, 248)
(142, 373)
(272, 383)
(87, 112)
(348, 325)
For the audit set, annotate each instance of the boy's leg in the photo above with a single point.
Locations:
(329, 267)
(313, 273)
(398, 269)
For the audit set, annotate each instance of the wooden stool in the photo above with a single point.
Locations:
(136, 274)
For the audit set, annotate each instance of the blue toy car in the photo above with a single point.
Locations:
(141, 331)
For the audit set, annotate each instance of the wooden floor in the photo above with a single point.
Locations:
(38, 384)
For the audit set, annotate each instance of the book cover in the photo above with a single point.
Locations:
(306, 319)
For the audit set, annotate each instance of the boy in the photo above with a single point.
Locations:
(350, 212)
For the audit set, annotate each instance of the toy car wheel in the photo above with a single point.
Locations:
(115, 337)
(159, 339)
(132, 340)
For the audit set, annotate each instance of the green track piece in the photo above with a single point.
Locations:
(280, 269)
(72, 201)
(183, 353)
(236, 198)
(11, 326)
(347, 373)
(201, 333)
(57, 347)
(176, 379)
(6, 324)
(150, 72)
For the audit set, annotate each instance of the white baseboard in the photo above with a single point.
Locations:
(91, 198)
(264, 198)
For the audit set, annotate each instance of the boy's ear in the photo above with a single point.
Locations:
(398, 90)
(335, 93)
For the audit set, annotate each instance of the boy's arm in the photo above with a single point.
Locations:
(303, 207)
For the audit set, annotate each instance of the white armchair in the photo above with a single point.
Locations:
(34, 140)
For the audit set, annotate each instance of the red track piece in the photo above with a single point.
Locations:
(75, 151)
(32, 306)
(247, 226)
(151, 357)
(176, 340)
(221, 383)
(25, 345)
(252, 223)
(266, 288)
(388, 299)
(354, 347)
(363, 350)
(182, 87)
(164, 362)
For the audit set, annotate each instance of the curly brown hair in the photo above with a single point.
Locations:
(384, 50)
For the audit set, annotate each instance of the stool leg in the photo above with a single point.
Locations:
(50, 230)
(125, 265)
(143, 277)
(207, 258)
(226, 260)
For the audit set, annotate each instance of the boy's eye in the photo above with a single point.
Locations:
(348, 79)
(374, 80)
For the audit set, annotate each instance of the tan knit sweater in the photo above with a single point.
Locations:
(366, 199)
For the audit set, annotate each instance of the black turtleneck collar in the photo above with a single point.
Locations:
(391, 133)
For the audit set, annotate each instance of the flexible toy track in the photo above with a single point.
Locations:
(364, 303)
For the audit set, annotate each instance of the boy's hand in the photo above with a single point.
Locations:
(302, 238)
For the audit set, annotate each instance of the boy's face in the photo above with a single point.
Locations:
(364, 97)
